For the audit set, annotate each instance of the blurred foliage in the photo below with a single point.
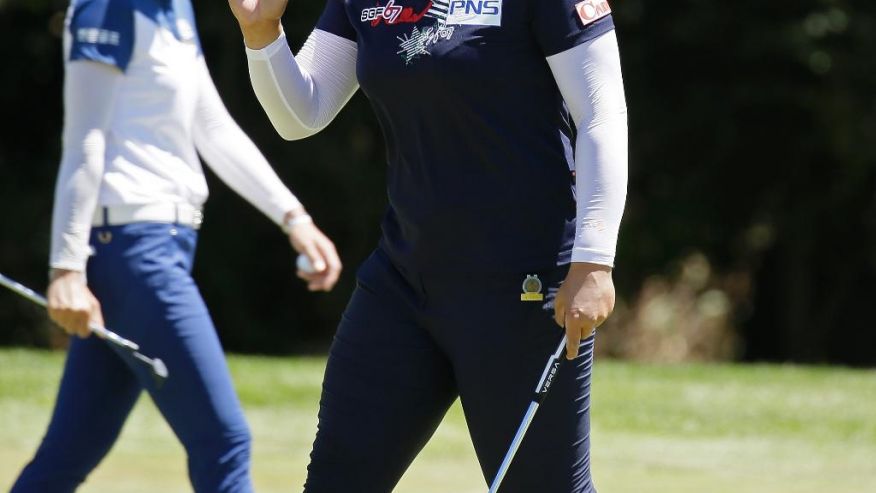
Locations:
(751, 130)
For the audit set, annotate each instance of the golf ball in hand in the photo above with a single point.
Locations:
(304, 265)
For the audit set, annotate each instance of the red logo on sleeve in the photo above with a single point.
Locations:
(591, 11)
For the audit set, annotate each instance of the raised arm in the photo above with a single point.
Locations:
(301, 94)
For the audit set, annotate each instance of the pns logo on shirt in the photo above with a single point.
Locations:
(475, 12)
(591, 11)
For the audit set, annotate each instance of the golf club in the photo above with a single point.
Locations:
(159, 370)
(541, 390)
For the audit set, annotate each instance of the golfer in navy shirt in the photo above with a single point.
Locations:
(505, 129)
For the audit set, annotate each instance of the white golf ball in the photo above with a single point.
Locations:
(304, 265)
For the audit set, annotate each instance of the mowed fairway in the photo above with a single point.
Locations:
(663, 429)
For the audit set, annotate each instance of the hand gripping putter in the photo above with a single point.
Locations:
(541, 390)
(156, 366)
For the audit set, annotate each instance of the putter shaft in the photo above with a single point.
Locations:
(541, 390)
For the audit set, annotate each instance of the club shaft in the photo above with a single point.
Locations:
(515, 444)
(145, 359)
(544, 385)
(98, 330)
(550, 369)
(22, 290)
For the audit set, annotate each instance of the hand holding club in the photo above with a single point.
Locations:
(71, 304)
(584, 301)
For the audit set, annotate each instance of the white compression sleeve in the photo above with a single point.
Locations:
(303, 94)
(590, 80)
(90, 90)
(232, 155)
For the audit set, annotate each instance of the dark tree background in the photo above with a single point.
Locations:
(752, 129)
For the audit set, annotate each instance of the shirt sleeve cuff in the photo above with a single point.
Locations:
(288, 203)
(68, 264)
(582, 36)
(268, 51)
(70, 250)
(592, 256)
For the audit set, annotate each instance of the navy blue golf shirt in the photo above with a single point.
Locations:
(479, 142)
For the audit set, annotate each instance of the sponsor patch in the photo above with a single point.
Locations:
(591, 11)
(392, 14)
(474, 12)
(97, 36)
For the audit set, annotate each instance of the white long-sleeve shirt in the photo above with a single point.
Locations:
(140, 106)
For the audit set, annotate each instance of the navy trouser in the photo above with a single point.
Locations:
(141, 275)
(409, 344)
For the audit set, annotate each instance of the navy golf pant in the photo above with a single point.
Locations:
(408, 345)
(141, 274)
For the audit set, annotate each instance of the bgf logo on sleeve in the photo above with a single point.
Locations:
(591, 11)
(475, 12)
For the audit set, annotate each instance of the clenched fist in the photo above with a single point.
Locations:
(309, 241)
(259, 20)
(71, 304)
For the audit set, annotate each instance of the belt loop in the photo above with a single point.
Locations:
(105, 216)
(176, 214)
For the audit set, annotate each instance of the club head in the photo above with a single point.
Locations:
(159, 372)
(156, 367)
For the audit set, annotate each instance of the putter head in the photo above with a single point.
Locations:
(156, 366)
(159, 372)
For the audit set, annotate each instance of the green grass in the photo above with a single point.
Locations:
(662, 429)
